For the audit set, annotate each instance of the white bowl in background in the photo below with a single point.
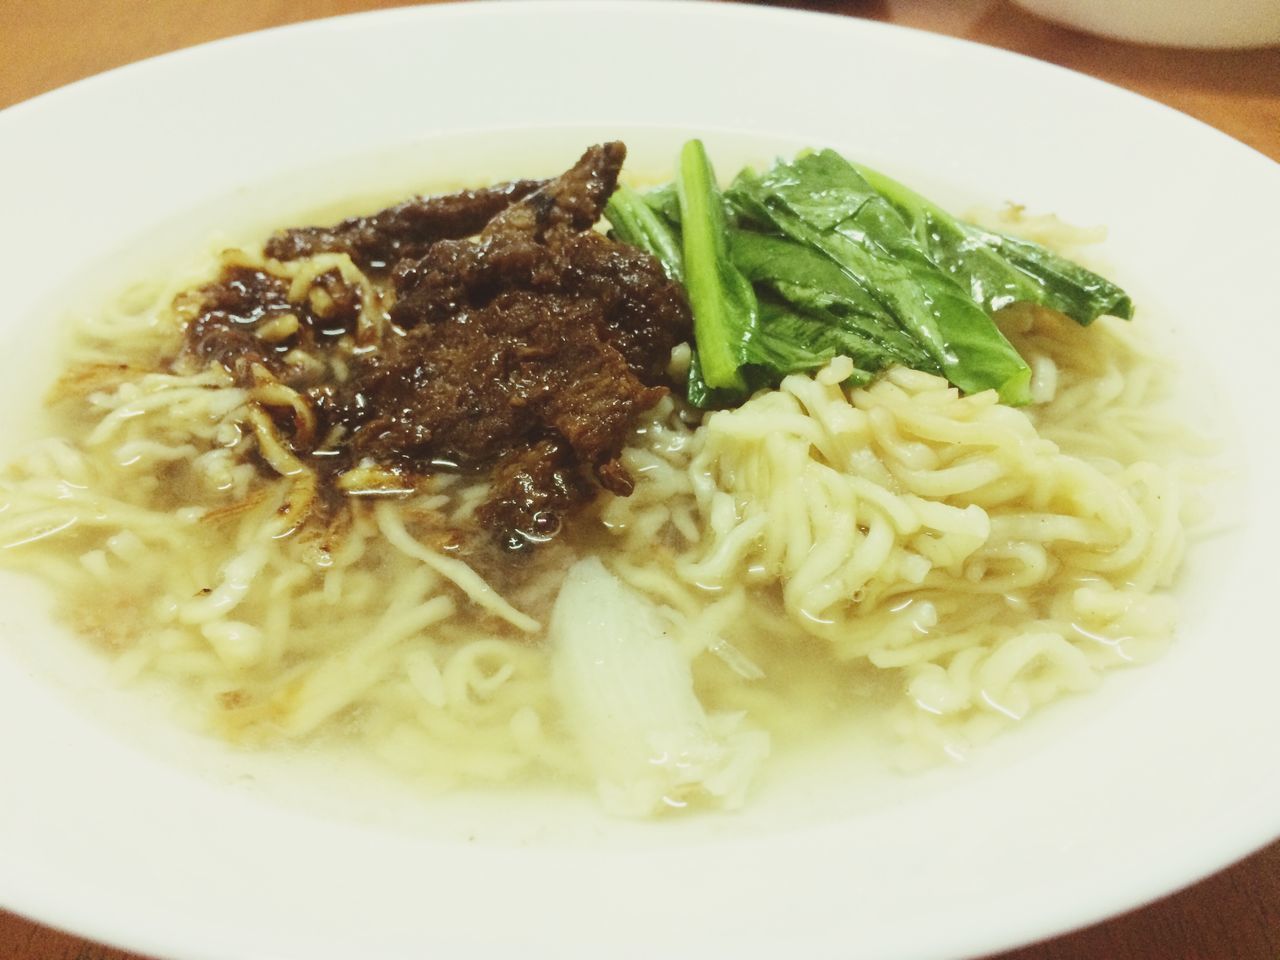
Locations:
(1171, 23)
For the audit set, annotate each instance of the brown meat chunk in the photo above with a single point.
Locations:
(379, 241)
(532, 491)
(471, 389)
(573, 201)
(525, 352)
(640, 309)
(234, 316)
(541, 337)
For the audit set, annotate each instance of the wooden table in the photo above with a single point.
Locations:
(1232, 916)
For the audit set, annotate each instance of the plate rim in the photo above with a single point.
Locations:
(72, 90)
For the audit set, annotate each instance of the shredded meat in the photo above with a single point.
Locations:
(524, 353)
(246, 317)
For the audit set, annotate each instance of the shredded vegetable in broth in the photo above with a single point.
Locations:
(653, 619)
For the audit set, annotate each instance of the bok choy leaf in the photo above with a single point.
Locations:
(999, 270)
(813, 284)
(822, 202)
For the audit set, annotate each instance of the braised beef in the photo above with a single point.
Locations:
(379, 241)
(525, 353)
(532, 490)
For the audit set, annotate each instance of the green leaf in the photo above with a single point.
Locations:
(822, 202)
(998, 270)
(792, 341)
(665, 202)
(815, 285)
(636, 223)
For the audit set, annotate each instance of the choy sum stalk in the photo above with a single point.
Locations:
(725, 310)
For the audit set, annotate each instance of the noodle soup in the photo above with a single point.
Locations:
(934, 565)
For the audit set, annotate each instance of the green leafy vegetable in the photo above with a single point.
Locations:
(791, 341)
(665, 202)
(725, 311)
(822, 202)
(998, 270)
(836, 307)
(636, 223)
(818, 258)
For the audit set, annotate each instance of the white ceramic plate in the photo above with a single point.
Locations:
(1105, 802)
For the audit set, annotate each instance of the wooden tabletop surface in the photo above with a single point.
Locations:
(1232, 916)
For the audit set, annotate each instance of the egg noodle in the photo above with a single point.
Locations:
(953, 560)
